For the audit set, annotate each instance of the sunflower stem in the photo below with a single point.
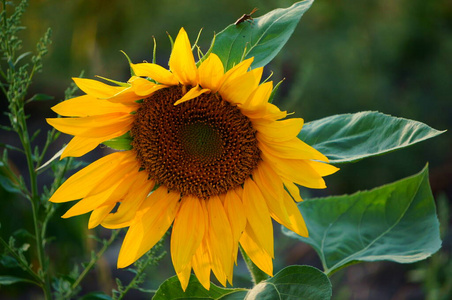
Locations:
(257, 274)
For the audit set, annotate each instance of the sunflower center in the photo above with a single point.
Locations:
(201, 141)
(202, 147)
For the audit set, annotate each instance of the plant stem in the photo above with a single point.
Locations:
(25, 139)
(256, 274)
(92, 262)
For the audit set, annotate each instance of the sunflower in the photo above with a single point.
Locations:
(208, 155)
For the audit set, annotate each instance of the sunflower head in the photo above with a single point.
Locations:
(209, 155)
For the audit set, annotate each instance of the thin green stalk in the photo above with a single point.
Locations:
(256, 274)
(92, 262)
(25, 139)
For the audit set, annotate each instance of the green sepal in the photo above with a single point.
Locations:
(122, 142)
(132, 73)
(275, 89)
(119, 83)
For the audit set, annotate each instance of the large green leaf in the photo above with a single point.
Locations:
(395, 222)
(294, 282)
(171, 290)
(262, 38)
(351, 137)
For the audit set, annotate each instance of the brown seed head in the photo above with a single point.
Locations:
(201, 147)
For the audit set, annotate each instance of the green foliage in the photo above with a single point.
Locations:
(294, 282)
(395, 222)
(171, 289)
(352, 137)
(262, 38)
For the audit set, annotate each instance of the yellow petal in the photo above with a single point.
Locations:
(259, 97)
(123, 170)
(188, 232)
(258, 216)
(281, 205)
(322, 168)
(110, 190)
(96, 88)
(99, 214)
(293, 189)
(290, 149)
(296, 170)
(90, 203)
(157, 214)
(233, 207)
(94, 126)
(126, 97)
(79, 146)
(182, 63)
(278, 131)
(220, 237)
(129, 206)
(81, 183)
(87, 105)
(191, 94)
(238, 90)
(272, 189)
(156, 72)
(268, 112)
(184, 276)
(143, 87)
(201, 265)
(259, 257)
(211, 72)
(219, 272)
(238, 70)
(296, 221)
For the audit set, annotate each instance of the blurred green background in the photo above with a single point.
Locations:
(344, 56)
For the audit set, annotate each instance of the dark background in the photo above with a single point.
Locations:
(344, 56)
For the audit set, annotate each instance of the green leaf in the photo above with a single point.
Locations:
(171, 290)
(7, 280)
(8, 185)
(8, 261)
(395, 222)
(294, 282)
(351, 137)
(120, 143)
(262, 37)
